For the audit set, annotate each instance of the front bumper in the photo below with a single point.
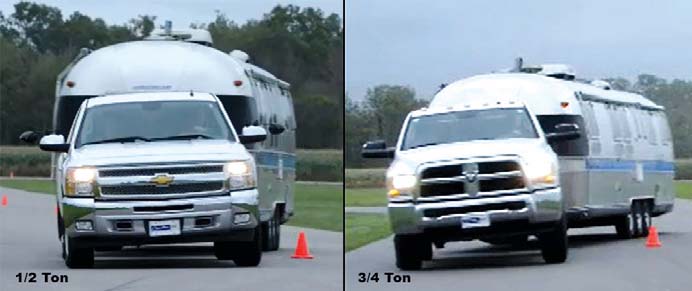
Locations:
(107, 216)
(509, 214)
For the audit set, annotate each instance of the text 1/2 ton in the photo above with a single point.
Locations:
(388, 277)
(44, 277)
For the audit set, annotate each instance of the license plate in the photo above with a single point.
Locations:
(164, 227)
(475, 220)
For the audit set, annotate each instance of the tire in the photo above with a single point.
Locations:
(623, 226)
(410, 251)
(243, 253)
(554, 244)
(645, 222)
(636, 219)
(271, 232)
(76, 257)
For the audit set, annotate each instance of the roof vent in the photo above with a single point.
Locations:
(559, 71)
(240, 55)
(601, 84)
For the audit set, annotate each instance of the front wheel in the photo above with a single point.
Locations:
(243, 253)
(410, 251)
(75, 256)
(554, 244)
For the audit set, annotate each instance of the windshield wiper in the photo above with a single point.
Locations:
(118, 140)
(184, 137)
(424, 145)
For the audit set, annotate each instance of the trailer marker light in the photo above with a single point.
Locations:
(564, 104)
(238, 83)
(70, 84)
(393, 193)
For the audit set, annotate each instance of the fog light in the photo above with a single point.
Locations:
(241, 218)
(83, 225)
(83, 188)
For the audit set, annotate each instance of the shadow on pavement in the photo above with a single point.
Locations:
(150, 257)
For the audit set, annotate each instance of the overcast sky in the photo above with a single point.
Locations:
(426, 43)
(181, 12)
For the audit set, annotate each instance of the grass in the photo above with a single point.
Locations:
(319, 206)
(366, 197)
(683, 189)
(316, 206)
(362, 229)
(40, 186)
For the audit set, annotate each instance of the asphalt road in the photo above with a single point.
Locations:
(29, 243)
(597, 261)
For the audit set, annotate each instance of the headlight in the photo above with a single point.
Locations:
(541, 170)
(240, 175)
(80, 182)
(401, 180)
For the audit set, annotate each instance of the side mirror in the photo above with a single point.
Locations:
(29, 137)
(377, 150)
(564, 131)
(276, 128)
(54, 143)
(253, 134)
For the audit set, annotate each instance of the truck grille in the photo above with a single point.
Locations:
(153, 171)
(156, 190)
(161, 181)
(471, 178)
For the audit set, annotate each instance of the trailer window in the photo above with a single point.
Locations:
(653, 136)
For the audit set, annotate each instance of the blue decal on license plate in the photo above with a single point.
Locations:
(160, 227)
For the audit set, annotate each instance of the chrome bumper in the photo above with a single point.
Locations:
(105, 214)
(541, 207)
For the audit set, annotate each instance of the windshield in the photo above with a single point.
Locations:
(488, 124)
(153, 121)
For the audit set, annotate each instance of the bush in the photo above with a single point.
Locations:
(24, 161)
(683, 169)
(365, 178)
(319, 165)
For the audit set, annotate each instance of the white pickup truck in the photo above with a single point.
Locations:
(163, 167)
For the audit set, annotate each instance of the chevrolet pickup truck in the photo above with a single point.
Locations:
(156, 168)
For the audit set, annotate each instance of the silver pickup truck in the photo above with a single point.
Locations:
(474, 171)
(146, 168)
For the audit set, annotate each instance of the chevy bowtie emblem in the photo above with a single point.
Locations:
(470, 176)
(162, 180)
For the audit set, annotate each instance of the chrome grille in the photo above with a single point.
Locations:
(161, 181)
(153, 171)
(157, 190)
(471, 178)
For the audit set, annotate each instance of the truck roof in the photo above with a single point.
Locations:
(476, 105)
(149, 96)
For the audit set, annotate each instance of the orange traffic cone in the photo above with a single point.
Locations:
(302, 251)
(652, 241)
(4, 200)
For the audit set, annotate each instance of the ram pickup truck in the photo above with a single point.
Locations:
(163, 167)
(474, 171)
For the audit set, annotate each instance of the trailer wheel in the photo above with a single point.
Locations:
(624, 226)
(636, 219)
(554, 244)
(271, 232)
(645, 222)
(410, 251)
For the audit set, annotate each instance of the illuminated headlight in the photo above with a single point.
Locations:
(401, 181)
(541, 170)
(240, 175)
(79, 182)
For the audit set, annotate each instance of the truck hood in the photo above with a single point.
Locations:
(479, 148)
(158, 152)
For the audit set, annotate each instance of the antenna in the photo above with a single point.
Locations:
(168, 27)
(518, 64)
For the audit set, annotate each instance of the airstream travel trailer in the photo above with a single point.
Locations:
(163, 67)
(502, 156)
